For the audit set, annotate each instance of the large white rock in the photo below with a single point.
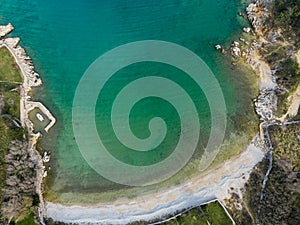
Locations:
(246, 29)
(4, 30)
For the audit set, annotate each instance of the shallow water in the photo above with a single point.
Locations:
(64, 37)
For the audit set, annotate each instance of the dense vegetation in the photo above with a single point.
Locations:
(288, 73)
(286, 15)
(286, 145)
(9, 70)
(9, 108)
(281, 202)
(28, 220)
(282, 197)
(251, 197)
(10, 129)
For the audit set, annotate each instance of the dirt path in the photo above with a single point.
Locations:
(298, 57)
(263, 70)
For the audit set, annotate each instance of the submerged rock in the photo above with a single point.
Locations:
(235, 44)
(235, 52)
(218, 47)
(247, 29)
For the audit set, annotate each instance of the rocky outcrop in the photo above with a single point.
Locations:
(266, 104)
(31, 78)
(255, 16)
(219, 48)
(235, 49)
(4, 30)
(294, 105)
(247, 29)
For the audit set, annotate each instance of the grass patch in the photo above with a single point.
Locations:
(29, 220)
(212, 213)
(12, 104)
(9, 69)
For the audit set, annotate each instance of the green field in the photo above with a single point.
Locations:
(212, 213)
(209, 214)
(9, 70)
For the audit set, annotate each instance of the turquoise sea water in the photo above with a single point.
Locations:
(64, 37)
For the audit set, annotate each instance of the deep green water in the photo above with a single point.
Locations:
(64, 37)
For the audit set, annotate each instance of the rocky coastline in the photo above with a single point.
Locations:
(252, 52)
(23, 157)
(266, 52)
(4, 30)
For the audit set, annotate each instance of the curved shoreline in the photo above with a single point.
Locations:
(199, 190)
(215, 184)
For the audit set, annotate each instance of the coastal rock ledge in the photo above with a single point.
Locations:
(5, 30)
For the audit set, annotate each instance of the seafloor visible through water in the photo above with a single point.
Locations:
(64, 37)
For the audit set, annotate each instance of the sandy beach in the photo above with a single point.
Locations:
(263, 70)
(213, 184)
